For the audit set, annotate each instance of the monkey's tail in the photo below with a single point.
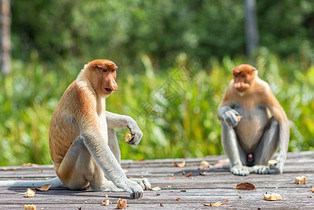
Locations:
(54, 182)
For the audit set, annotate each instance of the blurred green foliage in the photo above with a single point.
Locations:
(176, 108)
(125, 30)
(175, 60)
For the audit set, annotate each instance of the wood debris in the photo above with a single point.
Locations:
(272, 197)
(29, 207)
(300, 180)
(121, 204)
(179, 164)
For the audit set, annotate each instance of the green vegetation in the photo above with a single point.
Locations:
(175, 60)
(175, 108)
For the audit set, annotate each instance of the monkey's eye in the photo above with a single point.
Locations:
(105, 70)
(243, 76)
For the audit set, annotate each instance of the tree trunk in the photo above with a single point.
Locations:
(5, 41)
(251, 29)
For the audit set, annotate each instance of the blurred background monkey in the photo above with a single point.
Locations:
(249, 134)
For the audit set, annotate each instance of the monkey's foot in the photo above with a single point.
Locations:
(143, 182)
(107, 186)
(240, 170)
(260, 169)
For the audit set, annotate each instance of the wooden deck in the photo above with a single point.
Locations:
(177, 190)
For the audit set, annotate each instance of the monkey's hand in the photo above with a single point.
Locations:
(131, 187)
(230, 117)
(135, 130)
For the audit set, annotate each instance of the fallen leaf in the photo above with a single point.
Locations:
(240, 197)
(189, 174)
(179, 164)
(222, 163)
(44, 188)
(172, 178)
(29, 164)
(178, 199)
(205, 164)
(9, 169)
(105, 202)
(300, 180)
(161, 205)
(312, 189)
(29, 207)
(272, 197)
(203, 173)
(154, 188)
(245, 186)
(121, 204)
(182, 190)
(212, 204)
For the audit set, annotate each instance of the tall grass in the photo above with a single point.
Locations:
(175, 108)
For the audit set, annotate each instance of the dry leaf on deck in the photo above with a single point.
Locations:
(212, 204)
(154, 188)
(312, 189)
(44, 188)
(29, 164)
(189, 174)
(178, 199)
(272, 197)
(245, 186)
(29, 207)
(205, 164)
(121, 204)
(172, 178)
(161, 205)
(300, 180)
(179, 164)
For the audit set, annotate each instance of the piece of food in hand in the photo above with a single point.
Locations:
(272, 162)
(272, 197)
(128, 137)
(121, 204)
(29, 207)
(300, 180)
(239, 117)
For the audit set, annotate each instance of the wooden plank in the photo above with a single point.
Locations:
(216, 186)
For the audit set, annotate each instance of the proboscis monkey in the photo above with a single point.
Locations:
(253, 124)
(82, 140)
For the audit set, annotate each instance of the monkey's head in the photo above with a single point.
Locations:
(243, 77)
(102, 76)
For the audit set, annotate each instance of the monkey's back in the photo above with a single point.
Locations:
(63, 126)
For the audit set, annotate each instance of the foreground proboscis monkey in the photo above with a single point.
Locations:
(82, 140)
(253, 124)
